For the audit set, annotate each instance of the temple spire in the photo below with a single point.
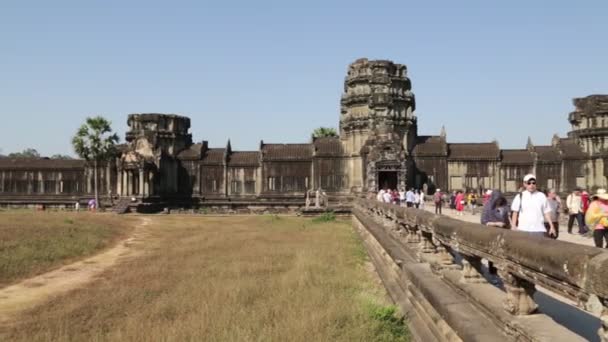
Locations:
(443, 133)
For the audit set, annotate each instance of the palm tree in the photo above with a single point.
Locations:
(95, 142)
(323, 132)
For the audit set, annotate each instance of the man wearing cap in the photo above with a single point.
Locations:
(531, 210)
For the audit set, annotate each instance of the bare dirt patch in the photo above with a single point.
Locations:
(34, 291)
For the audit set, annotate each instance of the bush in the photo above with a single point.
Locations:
(388, 326)
(327, 216)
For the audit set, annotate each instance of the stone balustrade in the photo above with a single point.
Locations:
(577, 272)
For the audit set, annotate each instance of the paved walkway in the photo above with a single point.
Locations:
(563, 227)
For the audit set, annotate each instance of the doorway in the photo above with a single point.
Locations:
(387, 180)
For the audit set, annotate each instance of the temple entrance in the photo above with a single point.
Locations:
(388, 180)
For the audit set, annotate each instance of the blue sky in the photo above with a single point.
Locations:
(274, 70)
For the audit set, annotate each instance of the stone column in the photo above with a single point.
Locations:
(141, 182)
(519, 294)
(129, 183)
(151, 183)
(119, 182)
(125, 182)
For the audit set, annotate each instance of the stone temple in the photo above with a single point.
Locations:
(378, 146)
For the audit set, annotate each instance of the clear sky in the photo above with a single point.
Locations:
(274, 70)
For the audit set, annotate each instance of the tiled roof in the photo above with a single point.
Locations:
(547, 154)
(245, 158)
(194, 152)
(430, 146)
(570, 149)
(473, 151)
(40, 164)
(517, 157)
(214, 156)
(328, 147)
(287, 151)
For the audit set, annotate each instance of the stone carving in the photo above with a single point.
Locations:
(519, 294)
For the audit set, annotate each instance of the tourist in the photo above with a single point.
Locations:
(585, 200)
(597, 218)
(417, 199)
(387, 197)
(453, 200)
(409, 198)
(402, 197)
(555, 205)
(495, 214)
(395, 195)
(574, 204)
(422, 198)
(380, 196)
(486, 196)
(459, 202)
(77, 206)
(531, 210)
(438, 200)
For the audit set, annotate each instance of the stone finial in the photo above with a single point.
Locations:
(555, 140)
(443, 134)
(529, 144)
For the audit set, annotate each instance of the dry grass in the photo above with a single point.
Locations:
(34, 242)
(226, 279)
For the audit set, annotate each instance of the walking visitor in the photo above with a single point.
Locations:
(531, 210)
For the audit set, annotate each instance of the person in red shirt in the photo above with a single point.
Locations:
(585, 199)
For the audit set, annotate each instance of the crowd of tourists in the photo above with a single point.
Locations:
(531, 210)
(413, 198)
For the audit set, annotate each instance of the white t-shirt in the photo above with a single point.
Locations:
(388, 198)
(533, 207)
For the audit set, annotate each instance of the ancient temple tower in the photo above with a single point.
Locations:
(589, 123)
(153, 142)
(377, 124)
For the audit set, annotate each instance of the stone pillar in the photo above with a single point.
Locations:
(119, 182)
(519, 294)
(471, 268)
(151, 183)
(125, 182)
(603, 331)
(141, 182)
(129, 183)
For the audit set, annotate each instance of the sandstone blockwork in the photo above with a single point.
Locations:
(378, 147)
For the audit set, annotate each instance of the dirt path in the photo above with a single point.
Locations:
(34, 291)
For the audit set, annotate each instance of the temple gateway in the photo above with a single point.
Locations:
(378, 147)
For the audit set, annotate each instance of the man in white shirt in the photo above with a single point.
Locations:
(531, 210)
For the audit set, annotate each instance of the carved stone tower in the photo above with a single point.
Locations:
(589, 123)
(377, 124)
(153, 142)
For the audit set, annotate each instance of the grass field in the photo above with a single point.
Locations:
(226, 279)
(34, 242)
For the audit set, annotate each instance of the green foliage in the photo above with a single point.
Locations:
(61, 157)
(27, 153)
(388, 326)
(323, 132)
(327, 216)
(94, 140)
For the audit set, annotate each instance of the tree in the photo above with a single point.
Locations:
(323, 132)
(27, 153)
(61, 157)
(95, 142)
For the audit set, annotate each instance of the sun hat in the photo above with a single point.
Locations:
(601, 194)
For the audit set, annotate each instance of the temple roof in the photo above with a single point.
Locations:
(193, 152)
(41, 164)
(548, 154)
(473, 151)
(328, 147)
(430, 146)
(570, 149)
(214, 156)
(275, 152)
(244, 158)
(517, 157)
